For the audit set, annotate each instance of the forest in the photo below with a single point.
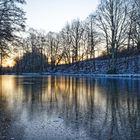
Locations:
(111, 32)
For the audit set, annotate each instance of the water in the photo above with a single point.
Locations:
(69, 108)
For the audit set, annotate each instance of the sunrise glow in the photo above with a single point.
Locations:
(8, 63)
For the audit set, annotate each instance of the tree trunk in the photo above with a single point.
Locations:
(1, 62)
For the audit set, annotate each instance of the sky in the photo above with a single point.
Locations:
(52, 15)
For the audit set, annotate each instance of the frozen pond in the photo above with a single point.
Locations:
(69, 108)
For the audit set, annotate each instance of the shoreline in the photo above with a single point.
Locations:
(78, 75)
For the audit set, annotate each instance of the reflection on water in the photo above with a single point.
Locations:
(69, 108)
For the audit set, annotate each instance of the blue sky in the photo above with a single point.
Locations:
(52, 15)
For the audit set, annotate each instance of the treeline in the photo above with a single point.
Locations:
(113, 29)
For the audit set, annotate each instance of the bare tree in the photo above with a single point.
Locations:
(93, 35)
(136, 27)
(66, 42)
(33, 57)
(54, 48)
(134, 24)
(76, 33)
(12, 20)
(112, 21)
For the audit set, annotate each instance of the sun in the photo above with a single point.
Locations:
(8, 63)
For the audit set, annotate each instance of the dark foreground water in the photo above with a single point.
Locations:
(69, 108)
